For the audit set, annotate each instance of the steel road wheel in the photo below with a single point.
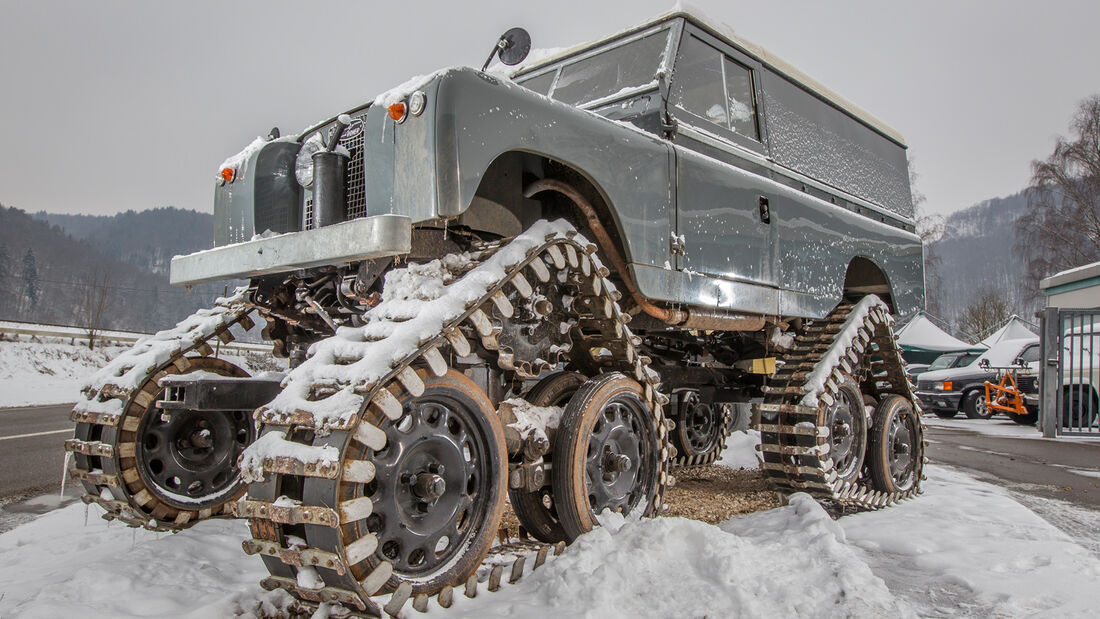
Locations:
(187, 460)
(698, 426)
(439, 485)
(897, 446)
(847, 424)
(536, 510)
(607, 454)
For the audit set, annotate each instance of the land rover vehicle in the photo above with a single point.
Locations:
(668, 217)
(962, 389)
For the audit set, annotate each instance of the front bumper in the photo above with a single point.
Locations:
(939, 400)
(343, 243)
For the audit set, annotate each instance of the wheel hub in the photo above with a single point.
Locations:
(428, 485)
(842, 423)
(191, 455)
(701, 429)
(902, 438)
(613, 465)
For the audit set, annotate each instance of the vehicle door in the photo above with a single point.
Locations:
(723, 224)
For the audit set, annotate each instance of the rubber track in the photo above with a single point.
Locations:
(600, 332)
(103, 458)
(794, 458)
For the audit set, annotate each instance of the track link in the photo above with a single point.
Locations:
(856, 339)
(107, 419)
(307, 470)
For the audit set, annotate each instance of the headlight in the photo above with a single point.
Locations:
(303, 165)
(944, 385)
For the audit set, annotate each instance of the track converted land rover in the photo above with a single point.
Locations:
(546, 287)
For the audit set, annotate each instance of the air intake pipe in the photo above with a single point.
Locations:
(330, 167)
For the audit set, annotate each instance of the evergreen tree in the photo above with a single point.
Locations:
(30, 280)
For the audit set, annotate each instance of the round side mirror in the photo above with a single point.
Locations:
(514, 46)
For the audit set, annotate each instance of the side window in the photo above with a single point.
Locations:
(739, 100)
(1030, 354)
(540, 84)
(710, 85)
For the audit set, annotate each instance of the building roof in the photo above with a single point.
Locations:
(920, 333)
(1014, 328)
(1072, 279)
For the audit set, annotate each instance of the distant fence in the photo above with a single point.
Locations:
(1070, 373)
(13, 329)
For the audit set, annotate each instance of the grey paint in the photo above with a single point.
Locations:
(430, 167)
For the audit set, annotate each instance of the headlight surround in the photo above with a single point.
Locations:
(303, 165)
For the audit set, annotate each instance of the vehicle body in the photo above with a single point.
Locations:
(747, 221)
(668, 216)
(1080, 364)
(962, 389)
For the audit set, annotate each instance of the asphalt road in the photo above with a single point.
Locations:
(1060, 469)
(31, 451)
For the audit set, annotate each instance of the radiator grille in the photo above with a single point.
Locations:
(309, 214)
(1027, 384)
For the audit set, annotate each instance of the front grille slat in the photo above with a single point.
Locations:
(355, 187)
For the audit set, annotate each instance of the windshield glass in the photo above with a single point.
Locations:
(609, 72)
(943, 362)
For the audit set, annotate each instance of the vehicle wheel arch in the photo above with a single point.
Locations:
(864, 276)
(512, 174)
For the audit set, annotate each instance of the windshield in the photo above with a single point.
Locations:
(943, 362)
(609, 72)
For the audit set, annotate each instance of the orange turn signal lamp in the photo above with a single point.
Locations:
(398, 111)
(948, 385)
(228, 174)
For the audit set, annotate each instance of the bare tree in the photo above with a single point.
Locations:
(929, 228)
(985, 313)
(93, 304)
(1061, 227)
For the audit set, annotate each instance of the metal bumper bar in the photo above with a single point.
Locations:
(350, 241)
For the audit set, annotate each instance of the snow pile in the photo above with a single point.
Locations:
(740, 452)
(963, 548)
(977, 551)
(417, 301)
(34, 372)
(790, 561)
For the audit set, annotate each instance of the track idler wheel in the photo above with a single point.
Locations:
(896, 452)
(607, 454)
(438, 489)
(701, 429)
(846, 421)
(536, 510)
(176, 466)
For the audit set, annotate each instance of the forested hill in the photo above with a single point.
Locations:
(47, 272)
(146, 239)
(977, 250)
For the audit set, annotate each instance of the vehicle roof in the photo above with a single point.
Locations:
(1001, 354)
(724, 32)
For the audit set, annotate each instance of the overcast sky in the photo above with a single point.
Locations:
(109, 106)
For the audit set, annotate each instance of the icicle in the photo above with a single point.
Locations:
(64, 474)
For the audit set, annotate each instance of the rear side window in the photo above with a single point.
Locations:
(710, 85)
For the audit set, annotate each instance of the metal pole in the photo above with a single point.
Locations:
(1051, 372)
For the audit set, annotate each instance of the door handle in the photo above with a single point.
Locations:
(765, 210)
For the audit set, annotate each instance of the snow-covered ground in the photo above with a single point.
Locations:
(964, 548)
(34, 372)
(50, 370)
(998, 426)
